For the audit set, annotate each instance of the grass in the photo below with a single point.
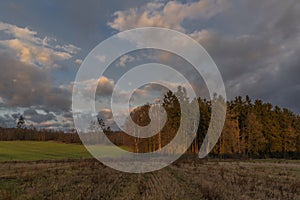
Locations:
(107, 151)
(30, 151)
(188, 178)
(185, 179)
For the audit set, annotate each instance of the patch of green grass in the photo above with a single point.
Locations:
(108, 151)
(30, 150)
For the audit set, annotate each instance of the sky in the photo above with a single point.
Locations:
(254, 43)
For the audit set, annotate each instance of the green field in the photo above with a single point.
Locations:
(187, 178)
(30, 150)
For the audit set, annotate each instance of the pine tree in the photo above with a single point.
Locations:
(21, 122)
(255, 141)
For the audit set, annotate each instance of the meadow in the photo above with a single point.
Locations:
(33, 150)
(51, 150)
(53, 170)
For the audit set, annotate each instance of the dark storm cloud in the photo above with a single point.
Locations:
(87, 14)
(7, 121)
(14, 116)
(237, 55)
(34, 116)
(263, 61)
(86, 21)
(68, 115)
(288, 24)
(24, 85)
(283, 87)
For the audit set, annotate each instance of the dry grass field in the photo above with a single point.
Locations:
(188, 178)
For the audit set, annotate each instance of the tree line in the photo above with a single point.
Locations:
(257, 129)
(252, 129)
(30, 133)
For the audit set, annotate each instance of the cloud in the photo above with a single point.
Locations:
(25, 85)
(54, 125)
(105, 113)
(7, 121)
(254, 49)
(32, 54)
(105, 86)
(78, 61)
(124, 60)
(261, 62)
(33, 116)
(37, 116)
(107, 117)
(68, 48)
(101, 58)
(254, 43)
(18, 32)
(30, 49)
(170, 15)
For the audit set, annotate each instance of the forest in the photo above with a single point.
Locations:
(252, 129)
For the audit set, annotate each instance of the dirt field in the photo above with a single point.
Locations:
(188, 178)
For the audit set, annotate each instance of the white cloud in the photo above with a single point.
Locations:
(202, 36)
(101, 58)
(32, 54)
(85, 92)
(78, 61)
(68, 48)
(30, 49)
(171, 15)
(124, 60)
(18, 32)
(104, 85)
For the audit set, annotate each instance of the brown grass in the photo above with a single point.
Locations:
(188, 178)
